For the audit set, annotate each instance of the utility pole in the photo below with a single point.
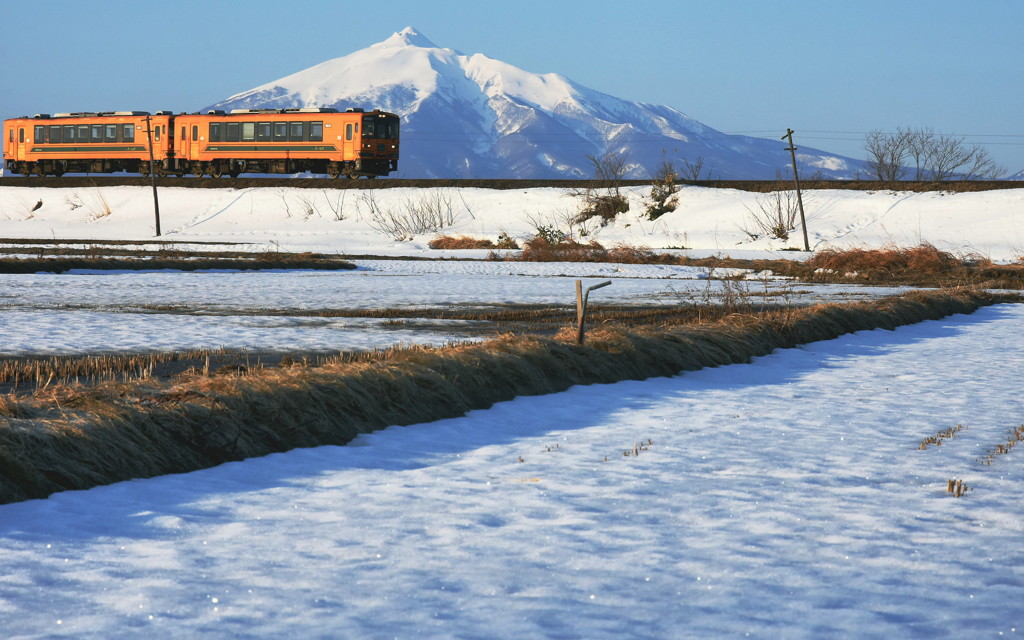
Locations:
(152, 174)
(796, 181)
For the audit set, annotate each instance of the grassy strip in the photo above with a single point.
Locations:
(259, 261)
(922, 266)
(69, 437)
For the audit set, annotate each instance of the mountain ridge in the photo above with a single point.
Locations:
(472, 116)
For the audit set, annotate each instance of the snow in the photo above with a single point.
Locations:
(97, 311)
(787, 497)
(706, 221)
(756, 509)
(455, 114)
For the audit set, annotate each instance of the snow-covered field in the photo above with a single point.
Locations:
(707, 221)
(173, 311)
(783, 498)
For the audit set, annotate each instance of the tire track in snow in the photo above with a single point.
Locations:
(859, 226)
(200, 219)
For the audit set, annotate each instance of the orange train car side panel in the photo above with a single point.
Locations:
(284, 141)
(93, 142)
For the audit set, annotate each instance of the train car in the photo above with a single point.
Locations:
(352, 143)
(88, 142)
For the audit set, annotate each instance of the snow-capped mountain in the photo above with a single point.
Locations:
(470, 116)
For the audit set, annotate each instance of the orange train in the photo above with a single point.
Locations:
(352, 143)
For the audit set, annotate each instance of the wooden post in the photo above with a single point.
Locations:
(152, 174)
(796, 181)
(581, 306)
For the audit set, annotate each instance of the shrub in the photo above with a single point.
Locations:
(920, 261)
(663, 191)
(540, 249)
(460, 242)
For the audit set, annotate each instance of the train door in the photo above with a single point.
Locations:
(22, 135)
(195, 135)
(351, 139)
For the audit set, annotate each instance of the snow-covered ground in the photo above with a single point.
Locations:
(174, 311)
(782, 498)
(707, 221)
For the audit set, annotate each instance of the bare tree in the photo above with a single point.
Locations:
(610, 168)
(981, 166)
(934, 156)
(606, 200)
(695, 170)
(950, 156)
(887, 153)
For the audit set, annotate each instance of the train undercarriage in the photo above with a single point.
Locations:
(214, 168)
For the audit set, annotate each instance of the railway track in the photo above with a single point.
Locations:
(390, 183)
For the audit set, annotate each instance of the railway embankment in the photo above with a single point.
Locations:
(84, 181)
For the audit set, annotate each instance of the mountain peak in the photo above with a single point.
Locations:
(409, 37)
(472, 116)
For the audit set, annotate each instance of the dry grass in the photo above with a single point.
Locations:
(72, 437)
(171, 260)
(539, 249)
(1014, 437)
(922, 261)
(460, 242)
(937, 439)
(923, 265)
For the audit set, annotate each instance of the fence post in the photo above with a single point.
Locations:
(581, 306)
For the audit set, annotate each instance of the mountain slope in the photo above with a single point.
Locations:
(470, 116)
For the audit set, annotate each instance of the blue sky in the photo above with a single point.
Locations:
(830, 70)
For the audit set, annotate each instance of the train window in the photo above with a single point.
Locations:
(183, 130)
(97, 133)
(215, 131)
(83, 133)
(232, 132)
(316, 131)
(40, 134)
(156, 133)
(295, 131)
(280, 131)
(368, 128)
(54, 136)
(263, 132)
(195, 132)
(21, 135)
(110, 133)
(348, 131)
(128, 135)
(69, 133)
(248, 131)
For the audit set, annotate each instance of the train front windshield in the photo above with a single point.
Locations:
(382, 128)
